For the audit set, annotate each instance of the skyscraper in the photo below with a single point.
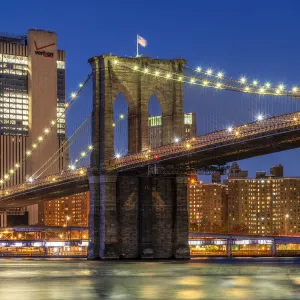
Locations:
(32, 95)
(32, 100)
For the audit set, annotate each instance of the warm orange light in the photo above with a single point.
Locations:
(193, 181)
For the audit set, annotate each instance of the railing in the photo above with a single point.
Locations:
(202, 142)
(44, 181)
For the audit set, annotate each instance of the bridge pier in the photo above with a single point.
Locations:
(138, 217)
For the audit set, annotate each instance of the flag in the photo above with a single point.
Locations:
(142, 41)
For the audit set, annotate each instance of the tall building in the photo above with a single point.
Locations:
(277, 171)
(67, 211)
(207, 206)
(265, 205)
(236, 172)
(32, 94)
(155, 129)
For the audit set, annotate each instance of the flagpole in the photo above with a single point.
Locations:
(137, 45)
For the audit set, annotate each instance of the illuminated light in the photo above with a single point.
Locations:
(28, 153)
(281, 87)
(146, 70)
(247, 89)
(176, 140)
(188, 146)
(11, 171)
(90, 147)
(73, 95)
(294, 89)
(81, 172)
(260, 117)
(255, 82)
(40, 138)
(262, 218)
(295, 119)
(180, 78)
(115, 61)
(277, 91)
(135, 67)
(1, 181)
(193, 181)
(243, 80)
(83, 154)
(53, 179)
(156, 156)
(122, 116)
(66, 104)
(205, 82)
(218, 85)
(268, 85)
(17, 166)
(156, 73)
(80, 85)
(113, 124)
(76, 160)
(149, 150)
(229, 129)
(118, 156)
(192, 80)
(34, 145)
(52, 122)
(46, 130)
(193, 139)
(220, 75)
(236, 133)
(68, 218)
(30, 179)
(168, 75)
(72, 167)
(199, 69)
(261, 90)
(209, 72)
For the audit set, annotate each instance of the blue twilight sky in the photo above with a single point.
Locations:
(258, 38)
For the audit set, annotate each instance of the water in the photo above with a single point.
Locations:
(267, 278)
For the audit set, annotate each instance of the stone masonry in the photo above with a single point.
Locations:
(134, 216)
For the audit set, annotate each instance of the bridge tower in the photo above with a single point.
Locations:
(133, 215)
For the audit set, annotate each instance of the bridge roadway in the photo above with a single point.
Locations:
(220, 147)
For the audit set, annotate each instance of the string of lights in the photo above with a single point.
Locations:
(65, 146)
(45, 133)
(279, 90)
(239, 86)
(80, 157)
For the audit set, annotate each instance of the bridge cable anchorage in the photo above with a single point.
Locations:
(64, 147)
(47, 130)
(280, 90)
(215, 84)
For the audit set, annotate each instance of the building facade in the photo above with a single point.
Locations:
(32, 95)
(266, 205)
(207, 206)
(67, 211)
(32, 103)
(155, 129)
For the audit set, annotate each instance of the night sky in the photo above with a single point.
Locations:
(258, 38)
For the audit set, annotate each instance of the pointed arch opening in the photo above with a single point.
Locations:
(154, 122)
(120, 124)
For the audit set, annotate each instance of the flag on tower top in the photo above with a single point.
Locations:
(142, 41)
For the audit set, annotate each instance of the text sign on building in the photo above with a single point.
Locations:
(43, 53)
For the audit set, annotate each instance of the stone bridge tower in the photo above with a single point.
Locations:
(131, 215)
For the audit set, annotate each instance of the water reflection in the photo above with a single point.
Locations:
(205, 279)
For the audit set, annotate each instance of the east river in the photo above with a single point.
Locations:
(267, 278)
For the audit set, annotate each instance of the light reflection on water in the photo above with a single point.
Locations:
(204, 279)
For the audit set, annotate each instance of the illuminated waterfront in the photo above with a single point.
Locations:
(267, 278)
